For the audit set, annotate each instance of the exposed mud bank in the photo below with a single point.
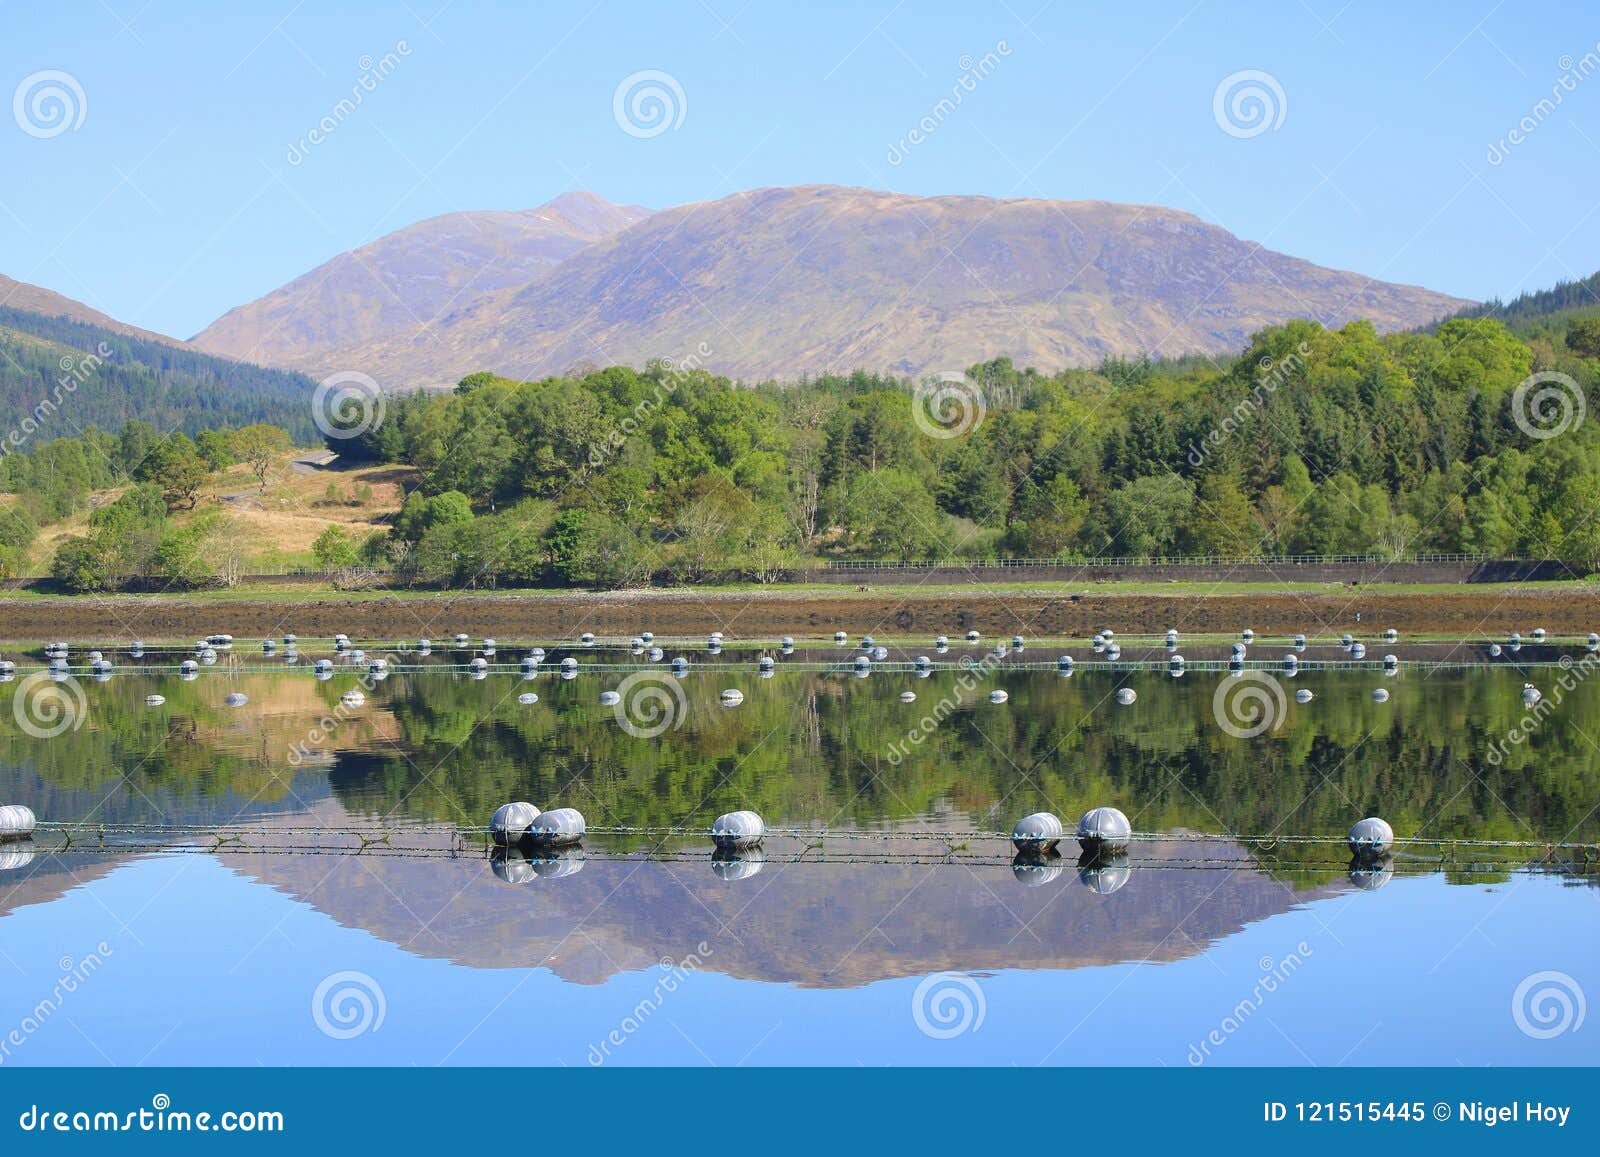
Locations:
(769, 614)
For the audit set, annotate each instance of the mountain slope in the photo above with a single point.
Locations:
(400, 282)
(52, 390)
(35, 299)
(788, 281)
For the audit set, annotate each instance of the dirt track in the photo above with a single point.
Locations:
(769, 614)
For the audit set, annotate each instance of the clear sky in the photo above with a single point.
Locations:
(174, 196)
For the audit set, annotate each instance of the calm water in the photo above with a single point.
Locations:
(879, 944)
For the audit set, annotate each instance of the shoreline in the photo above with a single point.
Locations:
(1565, 610)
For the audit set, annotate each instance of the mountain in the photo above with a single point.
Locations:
(788, 281)
(397, 284)
(19, 295)
(59, 375)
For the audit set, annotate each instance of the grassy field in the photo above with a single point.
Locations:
(278, 522)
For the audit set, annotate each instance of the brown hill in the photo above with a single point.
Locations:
(394, 286)
(47, 302)
(788, 281)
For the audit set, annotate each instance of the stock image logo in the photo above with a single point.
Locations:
(348, 1004)
(1248, 103)
(648, 103)
(49, 103)
(947, 405)
(1249, 704)
(1548, 1004)
(46, 706)
(649, 704)
(948, 1004)
(347, 405)
(1548, 404)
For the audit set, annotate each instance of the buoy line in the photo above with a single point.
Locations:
(374, 833)
(1412, 866)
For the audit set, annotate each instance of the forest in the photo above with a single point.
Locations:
(1470, 436)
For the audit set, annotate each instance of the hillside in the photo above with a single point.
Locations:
(397, 284)
(20, 296)
(45, 374)
(787, 282)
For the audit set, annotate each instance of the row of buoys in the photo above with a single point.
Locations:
(522, 823)
(1101, 830)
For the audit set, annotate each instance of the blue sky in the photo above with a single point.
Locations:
(175, 197)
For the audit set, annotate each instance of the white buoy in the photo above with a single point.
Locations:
(862, 662)
(732, 697)
(787, 641)
(1016, 642)
(998, 696)
(527, 698)
(479, 663)
(569, 664)
(766, 662)
(942, 641)
(1299, 642)
(1104, 829)
(1346, 640)
(587, 638)
(1065, 662)
(511, 821)
(558, 828)
(17, 822)
(1358, 650)
(1538, 634)
(1594, 641)
(1494, 650)
(236, 699)
(1248, 635)
(1370, 838)
(679, 665)
(154, 700)
(1172, 638)
(908, 696)
(353, 698)
(1303, 695)
(1036, 833)
(610, 698)
(1380, 695)
(1530, 694)
(839, 636)
(1391, 664)
(1126, 696)
(1391, 636)
(738, 831)
(189, 667)
(973, 636)
(1238, 650)
(654, 654)
(1516, 639)
(1291, 662)
(647, 636)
